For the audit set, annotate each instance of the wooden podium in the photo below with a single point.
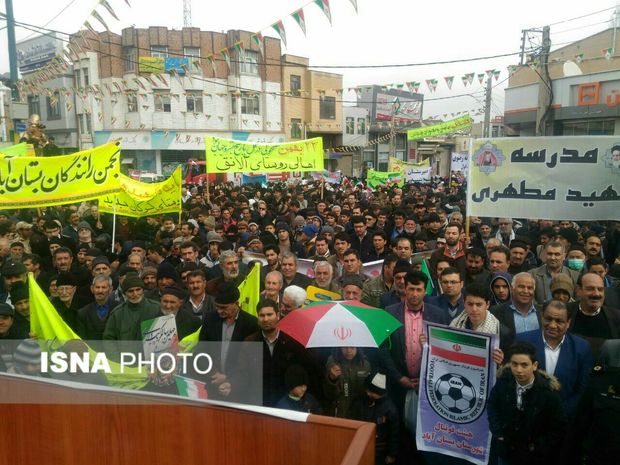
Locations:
(46, 422)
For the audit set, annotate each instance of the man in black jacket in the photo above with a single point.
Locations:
(227, 324)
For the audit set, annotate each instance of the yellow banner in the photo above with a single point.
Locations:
(18, 150)
(43, 181)
(463, 122)
(229, 156)
(139, 199)
(150, 65)
(394, 164)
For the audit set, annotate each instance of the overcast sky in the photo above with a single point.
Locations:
(384, 32)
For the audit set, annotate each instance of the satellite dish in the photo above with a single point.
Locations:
(572, 69)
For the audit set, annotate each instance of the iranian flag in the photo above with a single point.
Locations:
(458, 347)
(191, 388)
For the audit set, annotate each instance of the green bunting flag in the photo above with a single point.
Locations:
(300, 18)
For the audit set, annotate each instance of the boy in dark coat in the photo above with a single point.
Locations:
(298, 397)
(377, 408)
(525, 413)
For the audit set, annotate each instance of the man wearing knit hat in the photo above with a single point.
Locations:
(171, 302)
(227, 324)
(124, 321)
(8, 330)
(149, 277)
(166, 276)
(12, 272)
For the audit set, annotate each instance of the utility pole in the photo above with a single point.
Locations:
(187, 13)
(544, 87)
(10, 32)
(523, 36)
(487, 108)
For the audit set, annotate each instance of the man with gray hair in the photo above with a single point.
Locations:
(505, 233)
(520, 314)
(294, 297)
(273, 286)
(288, 265)
(229, 264)
(324, 276)
(92, 318)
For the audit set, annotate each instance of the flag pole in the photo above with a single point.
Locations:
(114, 224)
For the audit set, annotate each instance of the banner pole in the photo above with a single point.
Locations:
(322, 187)
(114, 224)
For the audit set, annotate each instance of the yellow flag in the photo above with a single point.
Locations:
(249, 291)
(48, 325)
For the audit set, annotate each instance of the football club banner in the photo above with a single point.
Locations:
(229, 156)
(554, 178)
(455, 382)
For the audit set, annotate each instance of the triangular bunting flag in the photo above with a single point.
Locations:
(107, 6)
(226, 55)
(354, 3)
(300, 18)
(324, 5)
(480, 78)
(449, 81)
(608, 53)
(496, 74)
(490, 73)
(240, 48)
(211, 61)
(431, 84)
(579, 58)
(258, 40)
(98, 17)
(279, 28)
(464, 79)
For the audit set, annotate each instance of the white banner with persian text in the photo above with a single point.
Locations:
(555, 178)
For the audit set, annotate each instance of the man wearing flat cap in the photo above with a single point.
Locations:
(171, 302)
(227, 324)
(12, 272)
(124, 321)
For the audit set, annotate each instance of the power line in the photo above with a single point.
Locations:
(580, 17)
(71, 2)
(297, 65)
(580, 27)
(198, 78)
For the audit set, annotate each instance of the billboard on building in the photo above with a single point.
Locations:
(34, 53)
(403, 108)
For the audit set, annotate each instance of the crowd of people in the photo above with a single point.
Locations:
(549, 291)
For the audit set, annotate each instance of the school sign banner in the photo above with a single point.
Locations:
(456, 379)
(229, 156)
(545, 177)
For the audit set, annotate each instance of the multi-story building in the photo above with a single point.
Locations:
(311, 106)
(585, 91)
(354, 138)
(389, 109)
(163, 90)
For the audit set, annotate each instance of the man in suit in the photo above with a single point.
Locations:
(403, 360)
(554, 264)
(520, 314)
(590, 317)
(227, 324)
(564, 355)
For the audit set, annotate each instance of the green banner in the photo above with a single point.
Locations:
(380, 178)
(18, 150)
(463, 122)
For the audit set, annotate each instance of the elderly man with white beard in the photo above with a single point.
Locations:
(324, 276)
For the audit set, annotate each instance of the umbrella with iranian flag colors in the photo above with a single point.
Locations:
(347, 323)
